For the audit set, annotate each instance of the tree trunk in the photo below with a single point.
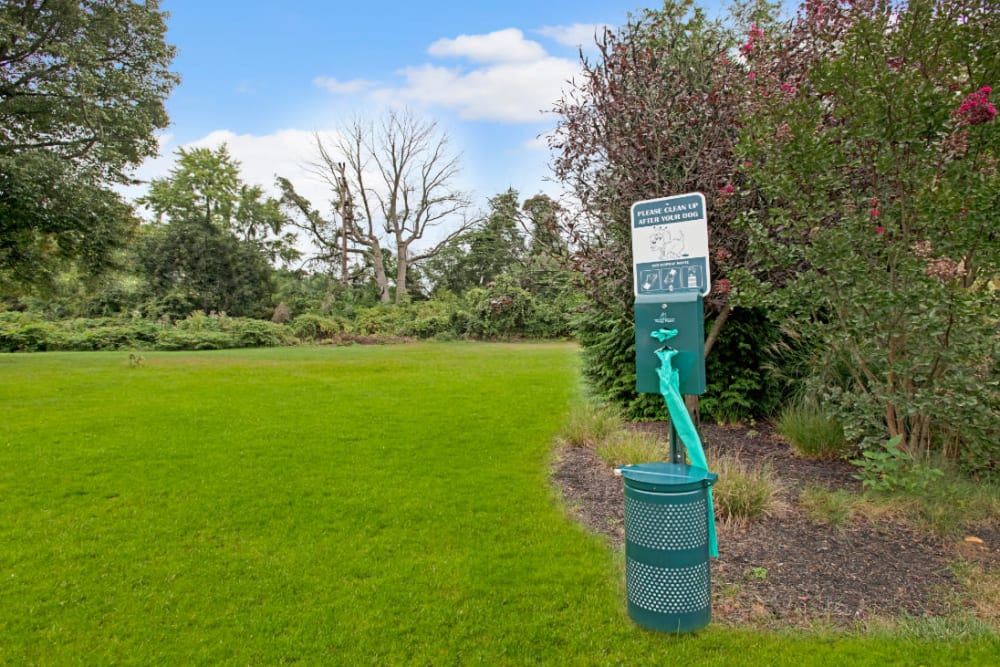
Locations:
(378, 265)
(402, 268)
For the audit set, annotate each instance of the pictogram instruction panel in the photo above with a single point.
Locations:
(670, 245)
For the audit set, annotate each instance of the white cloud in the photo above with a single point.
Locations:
(343, 87)
(508, 92)
(506, 78)
(496, 47)
(577, 35)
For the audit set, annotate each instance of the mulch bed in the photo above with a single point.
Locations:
(786, 569)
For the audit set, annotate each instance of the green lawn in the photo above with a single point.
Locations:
(377, 505)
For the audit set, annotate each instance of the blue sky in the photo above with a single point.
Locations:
(263, 76)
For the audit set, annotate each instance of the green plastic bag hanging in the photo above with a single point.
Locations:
(670, 388)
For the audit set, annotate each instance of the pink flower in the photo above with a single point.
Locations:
(748, 164)
(753, 76)
(880, 230)
(976, 108)
(727, 190)
(875, 213)
(723, 287)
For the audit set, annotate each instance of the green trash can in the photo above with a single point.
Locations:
(667, 573)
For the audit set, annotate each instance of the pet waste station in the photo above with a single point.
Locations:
(669, 520)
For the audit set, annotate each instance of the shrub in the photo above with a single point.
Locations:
(281, 314)
(812, 434)
(382, 320)
(311, 326)
(744, 493)
(256, 333)
(739, 384)
(179, 339)
(430, 318)
(608, 351)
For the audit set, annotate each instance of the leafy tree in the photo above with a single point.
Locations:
(657, 113)
(210, 247)
(476, 257)
(82, 86)
(193, 266)
(873, 138)
(543, 227)
(205, 185)
(51, 216)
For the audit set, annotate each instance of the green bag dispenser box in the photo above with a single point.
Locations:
(685, 313)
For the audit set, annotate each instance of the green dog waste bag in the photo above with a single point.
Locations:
(669, 387)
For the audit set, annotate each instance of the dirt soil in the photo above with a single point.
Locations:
(786, 570)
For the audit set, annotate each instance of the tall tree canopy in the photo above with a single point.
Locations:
(82, 87)
(477, 256)
(213, 251)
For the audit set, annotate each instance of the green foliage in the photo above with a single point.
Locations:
(743, 493)
(53, 217)
(82, 87)
(478, 256)
(878, 191)
(813, 435)
(205, 186)
(24, 333)
(608, 342)
(214, 251)
(739, 383)
(193, 266)
(888, 468)
(317, 328)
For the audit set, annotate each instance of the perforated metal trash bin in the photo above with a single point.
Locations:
(666, 546)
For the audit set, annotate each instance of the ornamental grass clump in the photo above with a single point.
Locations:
(589, 424)
(812, 434)
(744, 492)
(631, 447)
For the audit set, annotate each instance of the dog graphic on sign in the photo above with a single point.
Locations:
(667, 245)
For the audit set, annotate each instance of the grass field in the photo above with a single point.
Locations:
(353, 506)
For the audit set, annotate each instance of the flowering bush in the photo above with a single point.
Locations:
(880, 187)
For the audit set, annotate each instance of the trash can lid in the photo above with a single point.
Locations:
(666, 477)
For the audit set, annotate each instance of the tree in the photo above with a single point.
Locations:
(82, 86)
(657, 113)
(192, 266)
(399, 184)
(205, 185)
(492, 246)
(543, 227)
(210, 246)
(873, 139)
(51, 216)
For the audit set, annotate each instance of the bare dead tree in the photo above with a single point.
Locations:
(400, 179)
